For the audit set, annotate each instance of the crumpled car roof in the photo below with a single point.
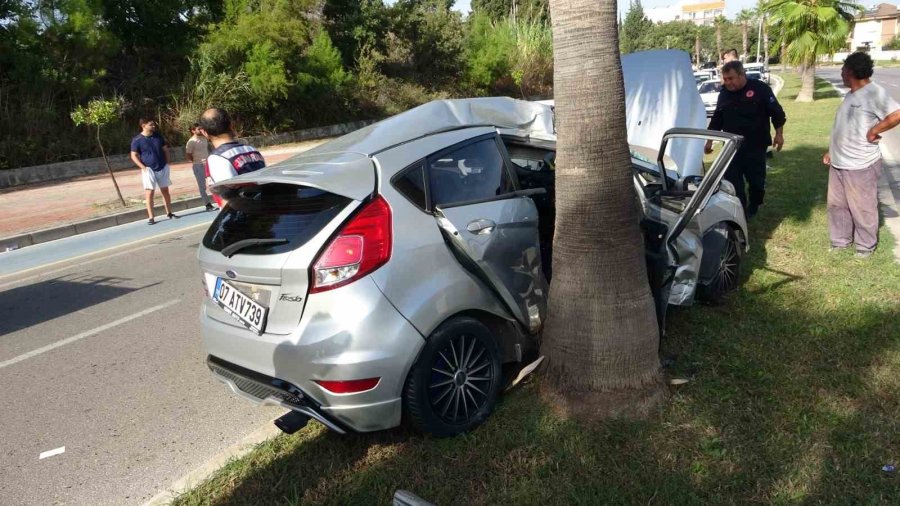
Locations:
(534, 118)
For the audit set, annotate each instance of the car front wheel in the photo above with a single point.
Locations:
(727, 265)
(454, 385)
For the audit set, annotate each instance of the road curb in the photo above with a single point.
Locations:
(205, 471)
(93, 224)
(778, 85)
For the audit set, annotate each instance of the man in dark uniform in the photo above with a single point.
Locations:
(745, 107)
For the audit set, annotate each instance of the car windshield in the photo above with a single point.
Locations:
(710, 87)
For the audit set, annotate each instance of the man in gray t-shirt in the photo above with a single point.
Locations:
(196, 151)
(855, 159)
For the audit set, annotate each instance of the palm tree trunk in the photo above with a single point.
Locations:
(601, 338)
(765, 37)
(697, 49)
(744, 39)
(807, 82)
(109, 169)
(783, 55)
(719, 43)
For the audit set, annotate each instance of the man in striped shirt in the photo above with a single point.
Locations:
(228, 158)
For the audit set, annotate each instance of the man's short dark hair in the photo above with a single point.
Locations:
(734, 66)
(732, 52)
(860, 65)
(144, 121)
(195, 125)
(215, 121)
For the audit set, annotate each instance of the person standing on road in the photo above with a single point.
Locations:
(196, 151)
(149, 153)
(854, 159)
(746, 108)
(229, 158)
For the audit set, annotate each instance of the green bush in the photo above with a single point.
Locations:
(892, 44)
(509, 56)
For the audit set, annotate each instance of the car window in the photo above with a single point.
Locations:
(472, 172)
(709, 87)
(411, 183)
(273, 211)
(529, 158)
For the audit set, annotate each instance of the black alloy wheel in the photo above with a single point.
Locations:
(456, 381)
(727, 268)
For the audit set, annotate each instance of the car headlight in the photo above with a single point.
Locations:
(727, 187)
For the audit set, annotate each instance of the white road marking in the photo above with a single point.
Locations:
(50, 453)
(89, 333)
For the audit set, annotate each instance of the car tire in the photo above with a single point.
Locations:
(454, 385)
(727, 267)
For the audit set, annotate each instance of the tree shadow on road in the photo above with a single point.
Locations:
(32, 304)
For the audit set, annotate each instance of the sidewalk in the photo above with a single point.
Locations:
(42, 206)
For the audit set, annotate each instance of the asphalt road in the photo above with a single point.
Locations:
(889, 78)
(100, 353)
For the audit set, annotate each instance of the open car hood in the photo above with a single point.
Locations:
(660, 94)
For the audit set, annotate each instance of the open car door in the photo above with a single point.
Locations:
(672, 205)
(490, 226)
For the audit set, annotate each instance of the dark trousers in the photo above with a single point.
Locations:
(749, 164)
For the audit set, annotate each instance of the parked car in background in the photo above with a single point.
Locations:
(759, 70)
(709, 93)
(402, 270)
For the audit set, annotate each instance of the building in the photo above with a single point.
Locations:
(875, 27)
(699, 12)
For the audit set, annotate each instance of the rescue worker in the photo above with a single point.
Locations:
(746, 108)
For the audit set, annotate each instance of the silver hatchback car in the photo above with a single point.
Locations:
(401, 270)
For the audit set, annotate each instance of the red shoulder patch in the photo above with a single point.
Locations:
(750, 93)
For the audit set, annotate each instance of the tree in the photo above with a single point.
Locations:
(499, 9)
(97, 113)
(745, 17)
(601, 337)
(810, 29)
(719, 21)
(697, 47)
(635, 28)
(354, 24)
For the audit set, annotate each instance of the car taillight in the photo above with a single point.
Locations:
(360, 247)
(349, 387)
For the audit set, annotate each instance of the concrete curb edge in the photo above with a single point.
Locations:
(211, 466)
(93, 224)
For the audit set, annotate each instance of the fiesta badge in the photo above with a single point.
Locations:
(749, 93)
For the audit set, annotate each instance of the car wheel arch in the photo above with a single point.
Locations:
(505, 331)
(712, 243)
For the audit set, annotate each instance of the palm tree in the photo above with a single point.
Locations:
(601, 337)
(809, 29)
(718, 22)
(697, 47)
(745, 17)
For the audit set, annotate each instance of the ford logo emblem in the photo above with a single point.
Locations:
(231, 274)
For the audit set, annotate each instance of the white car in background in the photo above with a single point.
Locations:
(759, 70)
(709, 93)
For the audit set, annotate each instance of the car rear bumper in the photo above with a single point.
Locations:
(348, 333)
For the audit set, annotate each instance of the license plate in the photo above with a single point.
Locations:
(247, 311)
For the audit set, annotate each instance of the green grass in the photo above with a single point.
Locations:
(794, 395)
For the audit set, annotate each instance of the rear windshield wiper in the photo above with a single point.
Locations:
(233, 248)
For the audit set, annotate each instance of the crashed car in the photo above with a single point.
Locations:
(401, 271)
